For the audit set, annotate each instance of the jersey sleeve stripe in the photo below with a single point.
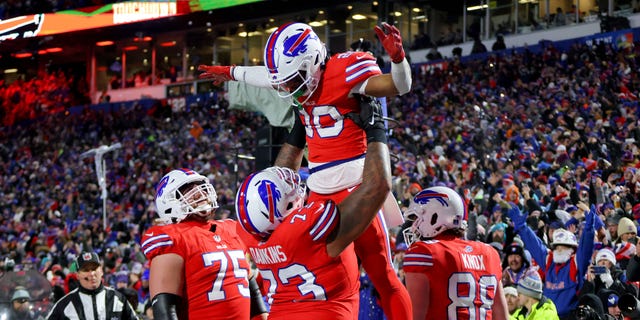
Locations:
(361, 73)
(153, 239)
(415, 263)
(360, 64)
(157, 245)
(326, 220)
(418, 258)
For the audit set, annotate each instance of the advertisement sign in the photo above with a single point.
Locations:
(44, 24)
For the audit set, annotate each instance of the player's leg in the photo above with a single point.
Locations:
(372, 248)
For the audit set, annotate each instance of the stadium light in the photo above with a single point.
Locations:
(104, 43)
(97, 154)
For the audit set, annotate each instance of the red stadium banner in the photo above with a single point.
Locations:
(103, 16)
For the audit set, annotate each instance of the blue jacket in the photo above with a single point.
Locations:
(562, 281)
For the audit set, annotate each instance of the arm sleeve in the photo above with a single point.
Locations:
(255, 76)
(585, 250)
(535, 246)
(165, 306)
(401, 75)
(257, 304)
(472, 228)
(297, 136)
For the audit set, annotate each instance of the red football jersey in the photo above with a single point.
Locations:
(303, 282)
(463, 276)
(215, 266)
(329, 136)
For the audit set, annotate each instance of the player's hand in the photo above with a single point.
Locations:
(519, 219)
(370, 116)
(218, 74)
(391, 41)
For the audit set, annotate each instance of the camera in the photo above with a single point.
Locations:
(585, 312)
(629, 306)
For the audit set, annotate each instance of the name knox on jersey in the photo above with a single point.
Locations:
(473, 261)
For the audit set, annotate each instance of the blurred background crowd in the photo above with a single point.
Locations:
(559, 128)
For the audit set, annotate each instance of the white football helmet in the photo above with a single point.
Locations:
(175, 200)
(294, 56)
(266, 197)
(433, 211)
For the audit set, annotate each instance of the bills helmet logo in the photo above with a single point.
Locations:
(427, 195)
(270, 195)
(161, 185)
(297, 44)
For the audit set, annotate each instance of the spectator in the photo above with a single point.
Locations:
(92, 297)
(557, 264)
(560, 19)
(534, 304)
(478, 46)
(605, 276)
(612, 306)
(499, 44)
(20, 305)
(590, 308)
(516, 265)
(511, 294)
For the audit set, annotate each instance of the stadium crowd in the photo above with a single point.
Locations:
(552, 132)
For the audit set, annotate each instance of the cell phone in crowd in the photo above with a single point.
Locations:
(599, 269)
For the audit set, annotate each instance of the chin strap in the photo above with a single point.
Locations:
(165, 306)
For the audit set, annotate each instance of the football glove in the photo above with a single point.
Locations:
(391, 41)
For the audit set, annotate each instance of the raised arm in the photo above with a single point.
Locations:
(360, 207)
(399, 80)
(255, 76)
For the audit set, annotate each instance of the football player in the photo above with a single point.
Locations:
(198, 264)
(304, 252)
(447, 276)
(327, 90)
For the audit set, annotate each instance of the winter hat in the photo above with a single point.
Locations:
(593, 301)
(606, 254)
(531, 286)
(515, 248)
(626, 225)
(20, 293)
(122, 276)
(510, 290)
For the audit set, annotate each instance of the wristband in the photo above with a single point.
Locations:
(376, 134)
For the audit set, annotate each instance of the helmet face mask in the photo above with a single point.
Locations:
(294, 56)
(433, 211)
(266, 197)
(181, 193)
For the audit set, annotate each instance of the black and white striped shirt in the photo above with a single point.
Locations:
(103, 303)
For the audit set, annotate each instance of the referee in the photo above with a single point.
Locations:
(92, 300)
